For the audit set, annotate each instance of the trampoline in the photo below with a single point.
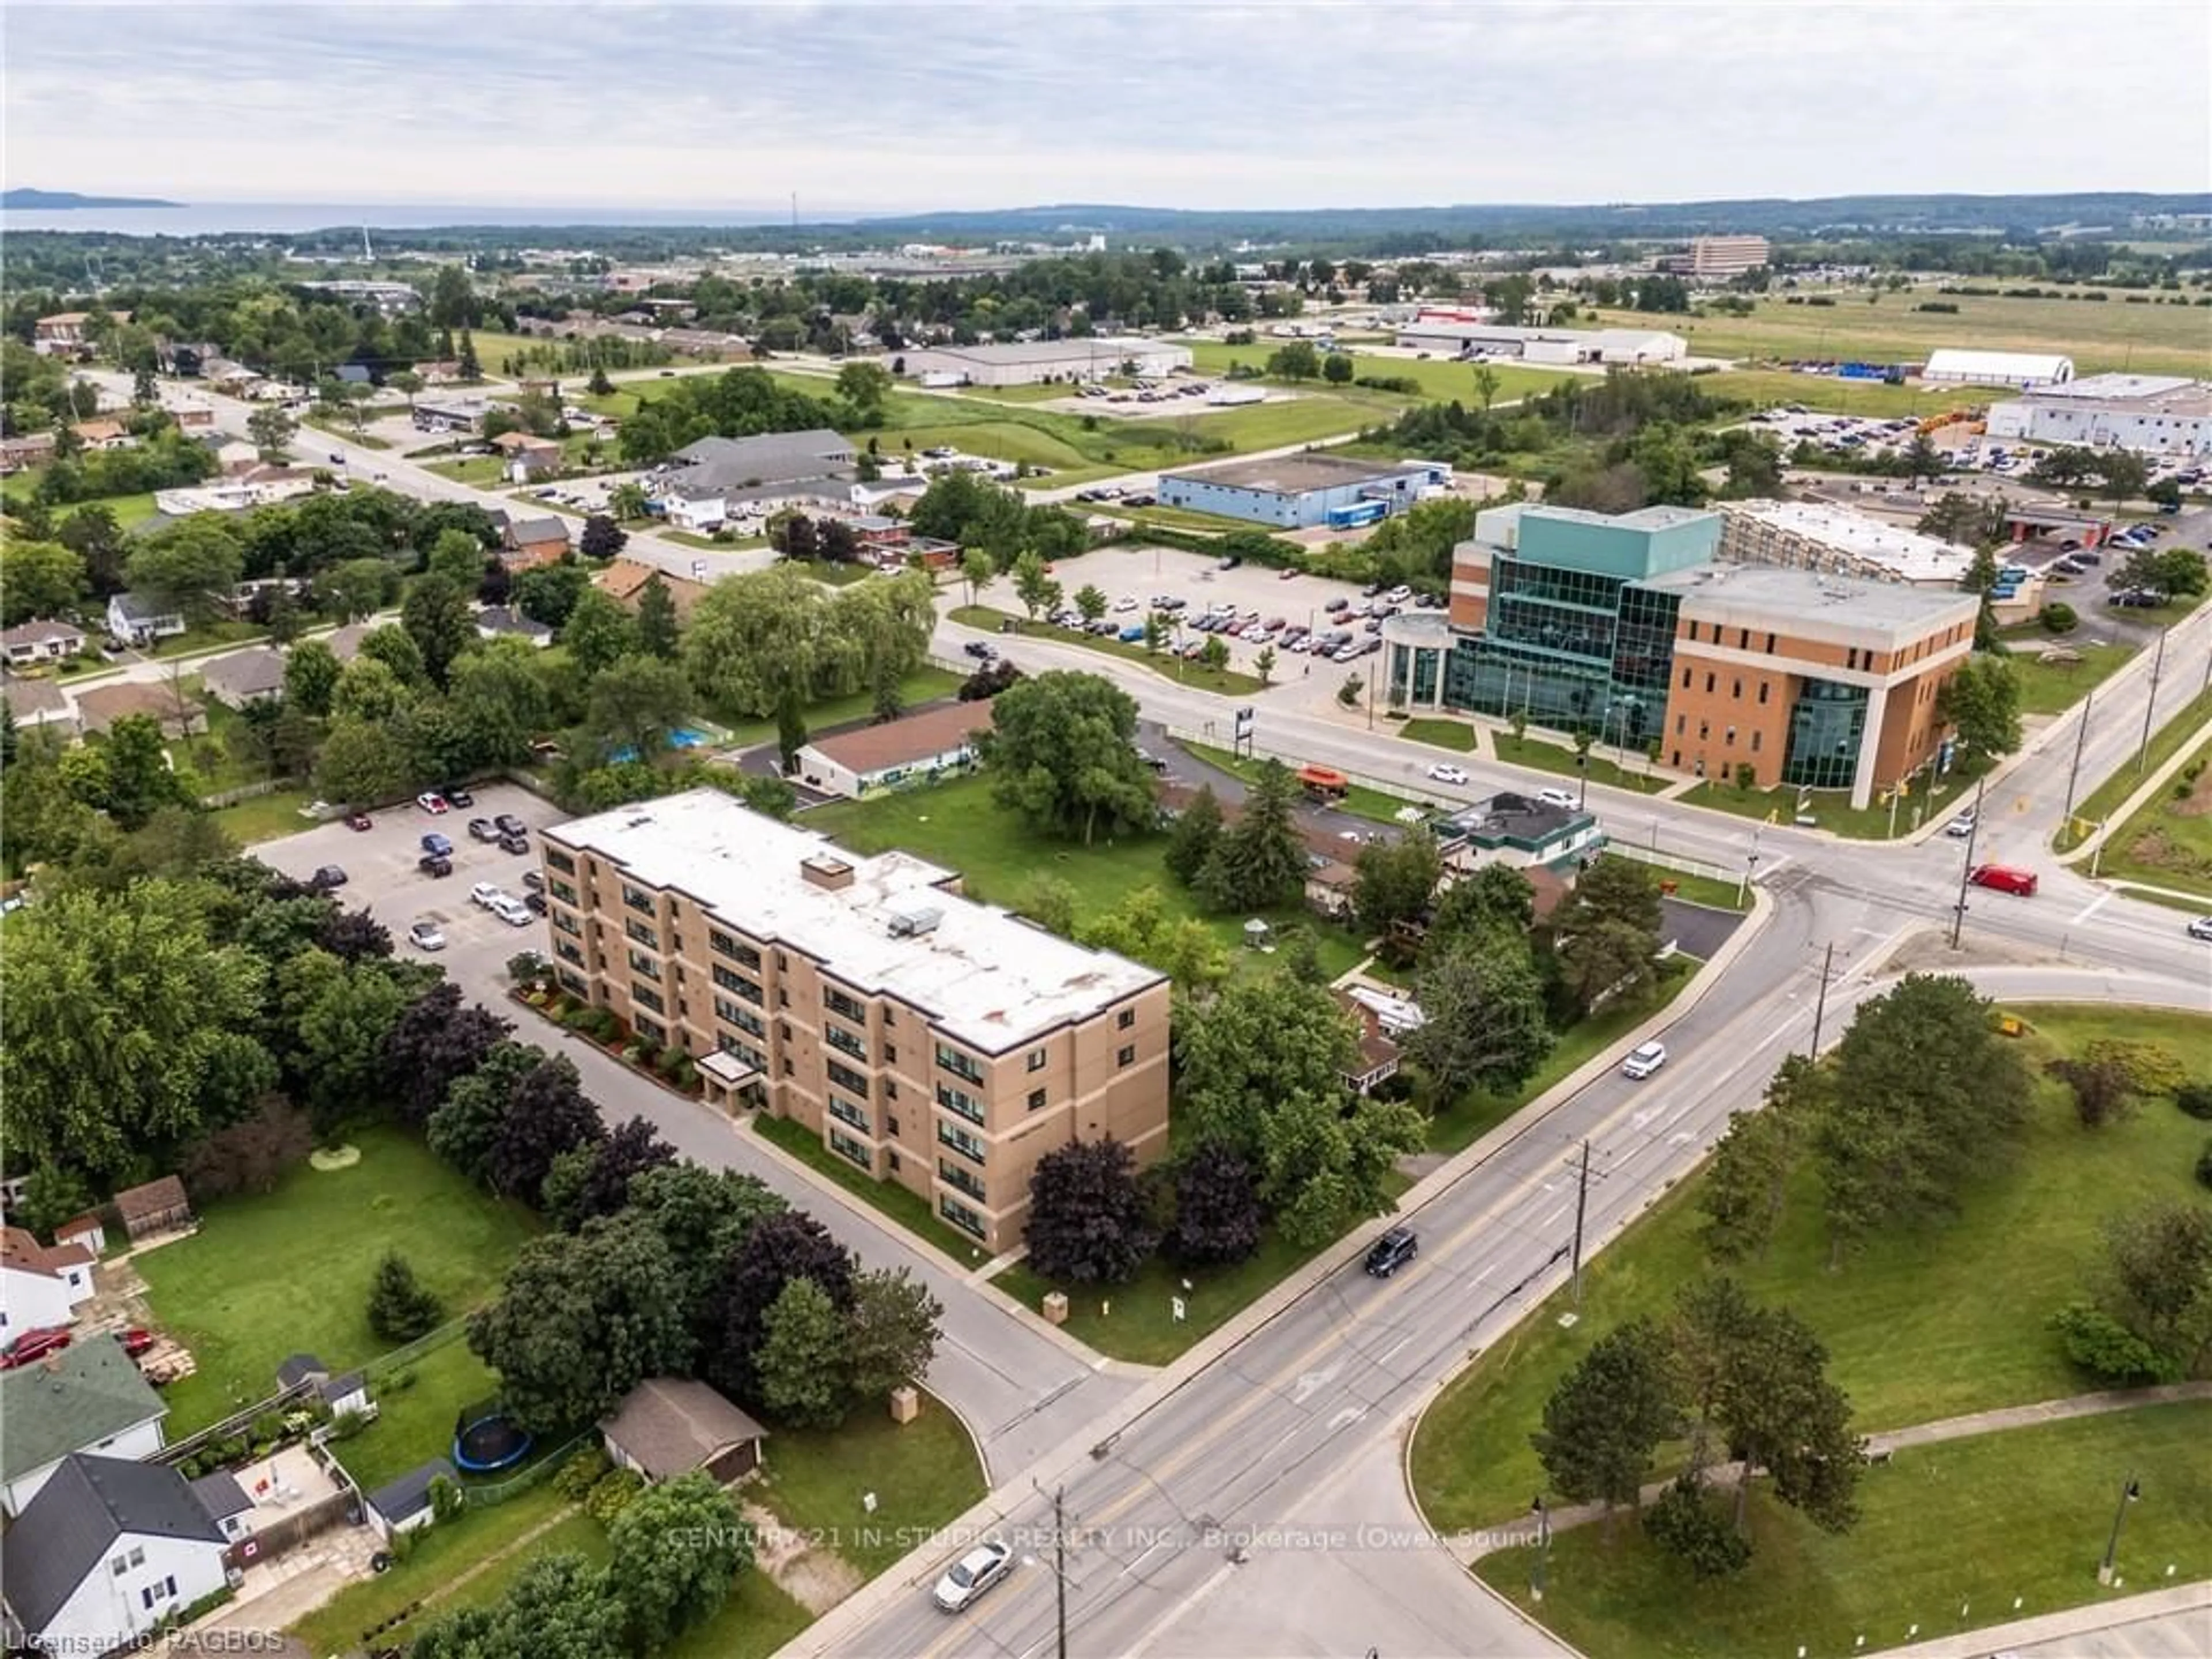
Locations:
(487, 1440)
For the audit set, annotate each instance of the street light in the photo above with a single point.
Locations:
(1750, 867)
(2128, 1494)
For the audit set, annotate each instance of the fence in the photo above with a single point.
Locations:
(236, 1423)
(486, 1497)
(275, 1536)
(1671, 860)
(244, 791)
(1396, 791)
(384, 1364)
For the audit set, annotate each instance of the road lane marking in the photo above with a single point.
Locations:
(2091, 907)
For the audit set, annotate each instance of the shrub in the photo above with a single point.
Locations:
(348, 1423)
(2204, 1165)
(2196, 1099)
(269, 1426)
(574, 1479)
(2150, 1068)
(400, 1382)
(2058, 617)
(1746, 776)
(2104, 1347)
(403, 1544)
(609, 1496)
(447, 1498)
(668, 1060)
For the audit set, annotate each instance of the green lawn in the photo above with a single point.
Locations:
(1696, 888)
(2052, 687)
(415, 1418)
(1441, 380)
(439, 1556)
(757, 1620)
(2108, 796)
(1000, 858)
(1951, 1537)
(2168, 840)
(924, 685)
(909, 1209)
(484, 471)
(1924, 1324)
(209, 637)
(923, 1474)
(1226, 681)
(128, 509)
(1832, 809)
(1136, 1322)
(1775, 388)
(266, 817)
(1605, 766)
(1440, 733)
(289, 1271)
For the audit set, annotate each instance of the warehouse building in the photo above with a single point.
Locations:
(1298, 492)
(2149, 414)
(1035, 362)
(1838, 541)
(1628, 628)
(1627, 347)
(1950, 366)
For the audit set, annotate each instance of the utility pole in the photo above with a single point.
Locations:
(2150, 703)
(1582, 1203)
(1821, 1006)
(1060, 1562)
(2082, 737)
(2129, 1493)
(1966, 866)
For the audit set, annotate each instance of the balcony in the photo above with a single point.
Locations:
(962, 1143)
(643, 903)
(959, 1064)
(965, 1105)
(845, 1043)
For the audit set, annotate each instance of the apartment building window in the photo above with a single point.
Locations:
(1037, 1059)
(563, 890)
(846, 1077)
(965, 1104)
(891, 1053)
(1681, 724)
(722, 944)
(1737, 694)
(1763, 688)
(845, 1112)
(966, 1180)
(643, 965)
(1852, 658)
(1769, 645)
(842, 1039)
(890, 1016)
(970, 1147)
(1037, 1100)
(1128, 1056)
(569, 952)
(743, 1018)
(846, 1147)
(959, 1215)
(643, 934)
(751, 1056)
(564, 923)
(1704, 730)
(1727, 740)
(652, 1030)
(844, 1006)
(890, 1089)
(1709, 685)
(573, 982)
(737, 983)
(646, 997)
(1124, 1020)
(1755, 737)
(961, 1065)
(1686, 679)
(782, 962)
(1743, 639)
(560, 860)
(638, 899)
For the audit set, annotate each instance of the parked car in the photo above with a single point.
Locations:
(485, 893)
(1444, 774)
(980, 649)
(136, 1341)
(35, 1346)
(1124, 603)
(2005, 878)
(516, 843)
(972, 1574)
(457, 795)
(510, 910)
(436, 843)
(427, 936)
(1644, 1060)
(534, 880)
(508, 824)
(435, 864)
(432, 802)
(534, 903)
(326, 878)
(482, 829)
(359, 821)
(1392, 1251)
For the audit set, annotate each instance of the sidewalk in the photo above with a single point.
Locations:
(1471, 1547)
(2148, 790)
(2040, 1633)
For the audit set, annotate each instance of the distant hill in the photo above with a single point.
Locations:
(61, 201)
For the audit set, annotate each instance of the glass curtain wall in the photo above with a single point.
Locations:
(1827, 723)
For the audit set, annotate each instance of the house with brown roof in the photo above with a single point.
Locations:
(103, 434)
(667, 1426)
(99, 708)
(527, 457)
(41, 640)
(1378, 1056)
(254, 675)
(158, 1207)
(25, 449)
(1329, 889)
(40, 1284)
(918, 748)
(62, 335)
(36, 702)
(529, 543)
(623, 579)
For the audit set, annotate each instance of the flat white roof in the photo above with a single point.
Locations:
(2150, 394)
(1914, 558)
(1812, 605)
(1091, 349)
(987, 980)
(2007, 365)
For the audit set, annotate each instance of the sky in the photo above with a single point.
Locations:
(897, 106)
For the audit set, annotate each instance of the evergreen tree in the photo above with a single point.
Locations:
(399, 1308)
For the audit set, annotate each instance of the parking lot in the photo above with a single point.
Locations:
(382, 879)
(1133, 578)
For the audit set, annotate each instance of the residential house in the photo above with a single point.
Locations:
(667, 1426)
(28, 449)
(445, 372)
(529, 458)
(87, 1230)
(90, 1397)
(103, 434)
(405, 1503)
(62, 335)
(623, 579)
(345, 642)
(40, 1284)
(41, 640)
(255, 674)
(916, 748)
(707, 482)
(226, 1502)
(191, 418)
(99, 708)
(158, 1207)
(36, 701)
(249, 487)
(138, 618)
(235, 455)
(106, 1553)
(495, 622)
(1378, 1055)
(1329, 888)
(1518, 830)
(525, 543)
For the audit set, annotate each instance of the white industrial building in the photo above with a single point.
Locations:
(1034, 362)
(1838, 541)
(2149, 414)
(1949, 366)
(1626, 347)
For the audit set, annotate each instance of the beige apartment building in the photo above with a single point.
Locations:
(928, 1039)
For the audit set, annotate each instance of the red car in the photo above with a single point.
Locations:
(136, 1341)
(359, 821)
(432, 802)
(35, 1346)
(2005, 878)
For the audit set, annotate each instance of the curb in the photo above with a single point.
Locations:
(2144, 793)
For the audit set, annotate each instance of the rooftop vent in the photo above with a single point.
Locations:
(826, 870)
(911, 921)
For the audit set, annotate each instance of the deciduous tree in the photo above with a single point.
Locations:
(435, 1042)
(310, 677)
(189, 567)
(1746, 1184)
(1395, 879)
(673, 1554)
(1483, 1024)
(602, 538)
(775, 1250)
(1603, 1423)
(1197, 831)
(636, 704)
(1089, 1221)
(891, 1333)
(548, 1113)
(38, 578)
(1981, 704)
(1216, 1207)
(1062, 752)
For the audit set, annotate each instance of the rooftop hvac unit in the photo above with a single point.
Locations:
(915, 921)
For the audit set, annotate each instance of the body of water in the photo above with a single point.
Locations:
(291, 218)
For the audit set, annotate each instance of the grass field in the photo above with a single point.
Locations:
(289, 1271)
(1951, 1537)
(923, 1473)
(1832, 809)
(415, 1421)
(1440, 734)
(2107, 797)
(2052, 688)
(909, 1209)
(1924, 1324)
(266, 817)
(2168, 840)
(2162, 339)
(1440, 380)
(1226, 681)
(1000, 859)
(1765, 388)
(128, 509)
(1605, 765)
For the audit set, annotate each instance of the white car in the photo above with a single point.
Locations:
(488, 894)
(1124, 605)
(2201, 928)
(1962, 826)
(972, 1574)
(427, 936)
(1563, 798)
(1399, 595)
(1645, 1059)
(510, 910)
(1441, 774)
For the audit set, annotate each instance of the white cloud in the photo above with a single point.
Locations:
(864, 105)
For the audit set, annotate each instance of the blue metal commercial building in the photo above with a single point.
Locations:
(1298, 492)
